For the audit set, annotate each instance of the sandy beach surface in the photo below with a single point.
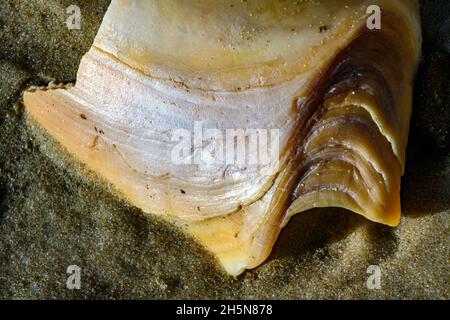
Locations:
(53, 214)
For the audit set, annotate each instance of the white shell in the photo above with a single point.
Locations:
(331, 88)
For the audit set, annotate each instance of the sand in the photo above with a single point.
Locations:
(54, 214)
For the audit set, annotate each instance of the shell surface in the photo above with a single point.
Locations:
(336, 94)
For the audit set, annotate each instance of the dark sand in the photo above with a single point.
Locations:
(53, 214)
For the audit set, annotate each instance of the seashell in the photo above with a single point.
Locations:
(335, 93)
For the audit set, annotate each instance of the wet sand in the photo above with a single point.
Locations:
(53, 213)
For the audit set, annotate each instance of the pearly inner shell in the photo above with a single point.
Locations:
(337, 94)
